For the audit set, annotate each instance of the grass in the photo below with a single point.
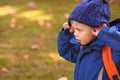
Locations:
(28, 39)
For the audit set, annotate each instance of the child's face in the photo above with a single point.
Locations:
(82, 32)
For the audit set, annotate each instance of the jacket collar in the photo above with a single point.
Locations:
(96, 44)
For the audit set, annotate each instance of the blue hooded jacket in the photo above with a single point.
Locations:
(88, 60)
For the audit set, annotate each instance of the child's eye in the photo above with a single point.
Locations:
(78, 30)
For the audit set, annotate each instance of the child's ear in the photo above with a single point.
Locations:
(103, 25)
(95, 31)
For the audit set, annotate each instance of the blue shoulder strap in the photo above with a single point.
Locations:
(115, 23)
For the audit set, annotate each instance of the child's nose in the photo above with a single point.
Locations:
(75, 33)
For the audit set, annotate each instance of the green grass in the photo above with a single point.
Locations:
(28, 50)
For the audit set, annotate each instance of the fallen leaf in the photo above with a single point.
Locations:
(19, 1)
(3, 70)
(12, 25)
(66, 15)
(20, 27)
(53, 36)
(63, 78)
(35, 47)
(53, 56)
(11, 11)
(26, 56)
(48, 24)
(50, 9)
(7, 7)
(32, 4)
(41, 22)
(13, 20)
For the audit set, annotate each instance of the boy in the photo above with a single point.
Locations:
(88, 26)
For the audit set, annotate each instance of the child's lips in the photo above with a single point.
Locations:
(78, 40)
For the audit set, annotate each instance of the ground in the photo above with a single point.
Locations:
(28, 38)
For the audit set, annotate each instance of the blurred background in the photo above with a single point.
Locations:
(28, 38)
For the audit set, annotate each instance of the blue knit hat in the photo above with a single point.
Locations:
(91, 12)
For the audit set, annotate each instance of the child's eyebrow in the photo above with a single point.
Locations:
(76, 28)
(72, 27)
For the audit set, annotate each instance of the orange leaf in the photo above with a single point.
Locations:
(66, 15)
(41, 23)
(63, 78)
(26, 56)
(48, 24)
(12, 25)
(3, 70)
(35, 47)
(32, 4)
(13, 20)
(50, 9)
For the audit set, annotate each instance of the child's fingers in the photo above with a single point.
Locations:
(66, 26)
(71, 30)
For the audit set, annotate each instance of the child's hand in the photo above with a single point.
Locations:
(66, 26)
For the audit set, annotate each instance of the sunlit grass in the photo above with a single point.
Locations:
(34, 15)
(7, 10)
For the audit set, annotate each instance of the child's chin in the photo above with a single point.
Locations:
(83, 43)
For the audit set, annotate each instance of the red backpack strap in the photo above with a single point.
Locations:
(109, 64)
(81, 47)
